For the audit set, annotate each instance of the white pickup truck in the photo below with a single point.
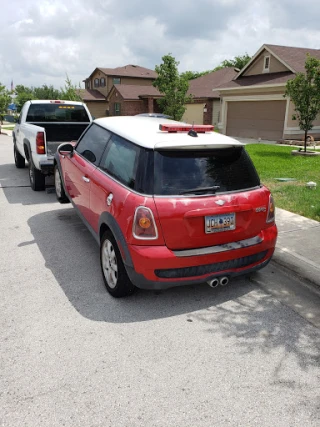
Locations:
(44, 125)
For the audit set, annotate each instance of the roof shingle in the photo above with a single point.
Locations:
(130, 71)
(203, 86)
(134, 92)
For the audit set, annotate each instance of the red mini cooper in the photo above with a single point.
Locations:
(169, 203)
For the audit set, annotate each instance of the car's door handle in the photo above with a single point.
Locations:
(109, 199)
(85, 179)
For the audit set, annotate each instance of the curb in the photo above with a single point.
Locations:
(301, 266)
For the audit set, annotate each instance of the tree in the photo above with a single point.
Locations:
(190, 75)
(23, 94)
(304, 91)
(5, 99)
(173, 86)
(46, 92)
(238, 62)
(70, 91)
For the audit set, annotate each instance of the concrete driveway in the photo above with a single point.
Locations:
(71, 355)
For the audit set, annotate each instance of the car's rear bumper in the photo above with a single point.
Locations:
(46, 166)
(157, 267)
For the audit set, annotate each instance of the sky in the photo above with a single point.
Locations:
(43, 41)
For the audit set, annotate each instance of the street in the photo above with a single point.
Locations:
(246, 354)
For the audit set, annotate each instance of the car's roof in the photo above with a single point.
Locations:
(54, 101)
(144, 131)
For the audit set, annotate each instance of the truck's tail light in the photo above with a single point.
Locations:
(271, 210)
(40, 144)
(144, 226)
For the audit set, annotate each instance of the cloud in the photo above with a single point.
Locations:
(42, 42)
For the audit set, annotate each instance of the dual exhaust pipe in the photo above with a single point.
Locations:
(223, 281)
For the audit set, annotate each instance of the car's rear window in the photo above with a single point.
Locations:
(40, 113)
(227, 169)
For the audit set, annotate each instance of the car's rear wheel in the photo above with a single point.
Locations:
(60, 193)
(18, 159)
(114, 273)
(37, 179)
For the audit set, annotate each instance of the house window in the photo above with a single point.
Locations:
(117, 108)
(266, 66)
(88, 84)
(116, 80)
(96, 82)
(102, 82)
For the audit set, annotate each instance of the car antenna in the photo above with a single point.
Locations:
(192, 132)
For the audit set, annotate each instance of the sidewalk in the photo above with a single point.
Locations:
(298, 245)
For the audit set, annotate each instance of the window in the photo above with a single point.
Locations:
(120, 160)
(266, 67)
(230, 169)
(63, 112)
(117, 108)
(96, 82)
(92, 144)
(88, 85)
(116, 80)
(102, 82)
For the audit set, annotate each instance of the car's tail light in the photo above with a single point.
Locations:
(41, 149)
(144, 226)
(271, 210)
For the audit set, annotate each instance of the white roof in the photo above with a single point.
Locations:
(144, 131)
(48, 101)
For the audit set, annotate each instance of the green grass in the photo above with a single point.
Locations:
(7, 127)
(275, 161)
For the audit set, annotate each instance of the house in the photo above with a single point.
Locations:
(205, 108)
(129, 100)
(253, 103)
(101, 81)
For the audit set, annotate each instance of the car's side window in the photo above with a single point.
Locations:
(93, 143)
(120, 160)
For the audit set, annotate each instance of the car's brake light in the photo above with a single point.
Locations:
(57, 101)
(41, 149)
(271, 210)
(186, 128)
(144, 226)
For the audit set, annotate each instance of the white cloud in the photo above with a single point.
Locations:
(42, 42)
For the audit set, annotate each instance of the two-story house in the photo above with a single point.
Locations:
(124, 90)
(253, 103)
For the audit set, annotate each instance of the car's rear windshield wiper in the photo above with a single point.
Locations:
(212, 190)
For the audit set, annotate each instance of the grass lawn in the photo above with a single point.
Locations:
(7, 127)
(276, 161)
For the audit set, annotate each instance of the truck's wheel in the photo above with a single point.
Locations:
(60, 193)
(37, 179)
(18, 159)
(114, 273)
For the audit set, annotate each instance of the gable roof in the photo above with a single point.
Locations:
(128, 71)
(203, 86)
(91, 95)
(135, 92)
(268, 79)
(293, 58)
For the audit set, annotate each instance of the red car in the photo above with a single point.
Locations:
(169, 204)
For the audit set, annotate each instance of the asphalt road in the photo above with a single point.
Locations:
(71, 355)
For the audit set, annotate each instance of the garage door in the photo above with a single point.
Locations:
(194, 114)
(256, 119)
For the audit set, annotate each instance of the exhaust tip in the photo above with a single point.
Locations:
(224, 281)
(213, 283)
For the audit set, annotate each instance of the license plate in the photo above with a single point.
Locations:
(217, 223)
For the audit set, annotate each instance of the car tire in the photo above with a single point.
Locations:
(37, 179)
(113, 270)
(60, 193)
(18, 159)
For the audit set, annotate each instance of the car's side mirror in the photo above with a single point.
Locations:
(66, 149)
